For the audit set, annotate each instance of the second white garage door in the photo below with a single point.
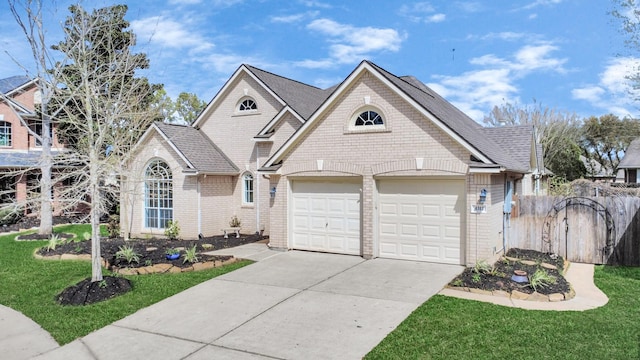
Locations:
(325, 216)
(421, 219)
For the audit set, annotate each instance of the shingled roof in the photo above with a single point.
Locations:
(515, 141)
(302, 98)
(631, 158)
(201, 153)
(453, 118)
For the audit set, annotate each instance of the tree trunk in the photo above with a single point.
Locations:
(96, 257)
(46, 208)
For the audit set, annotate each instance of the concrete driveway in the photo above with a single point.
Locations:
(289, 305)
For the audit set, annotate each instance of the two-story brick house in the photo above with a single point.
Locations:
(377, 166)
(20, 151)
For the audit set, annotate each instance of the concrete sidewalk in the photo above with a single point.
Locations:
(20, 337)
(289, 305)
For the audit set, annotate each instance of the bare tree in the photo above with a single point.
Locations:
(99, 105)
(28, 16)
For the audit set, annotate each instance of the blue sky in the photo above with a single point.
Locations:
(564, 54)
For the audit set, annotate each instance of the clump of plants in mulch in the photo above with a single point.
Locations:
(136, 253)
(544, 273)
(88, 292)
(132, 254)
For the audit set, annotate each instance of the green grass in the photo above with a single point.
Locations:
(451, 328)
(30, 286)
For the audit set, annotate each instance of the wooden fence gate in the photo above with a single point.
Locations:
(595, 230)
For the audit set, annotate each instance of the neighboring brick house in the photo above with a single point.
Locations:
(19, 151)
(377, 166)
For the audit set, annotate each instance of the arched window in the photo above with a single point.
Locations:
(5, 133)
(368, 118)
(247, 188)
(158, 195)
(247, 105)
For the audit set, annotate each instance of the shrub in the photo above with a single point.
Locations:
(541, 278)
(128, 254)
(190, 255)
(54, 240)
(172, 231)
(235, 222)
(113, 226)
(10, 215)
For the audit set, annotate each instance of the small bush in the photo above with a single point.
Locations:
(113, 226)
(190, 255)
(54, 240)
(10, 215)
(235, 222)
(541, 278)
(172, 231)
(128, 254)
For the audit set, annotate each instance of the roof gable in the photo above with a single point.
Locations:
(301, 98)
(443, 114)
(631, 158)
(10, 84)
(196, 149)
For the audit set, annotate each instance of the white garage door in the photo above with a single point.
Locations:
(421, 219)
(325, 216)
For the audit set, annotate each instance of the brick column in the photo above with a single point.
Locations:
(367, 215)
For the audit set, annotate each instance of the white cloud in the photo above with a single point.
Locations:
(614, 92)
(350, 44)
(165, 32)
(469, 6)
(421, 12)
(538, 3)
(435, 18)
(317, 4)
(504, 35)
(495, 81)
(294, 18)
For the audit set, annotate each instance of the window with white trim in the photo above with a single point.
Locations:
(5, 133)
(247, 105)
(158, 195)
(247, 188)
(367, 119)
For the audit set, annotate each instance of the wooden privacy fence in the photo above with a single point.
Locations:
(597, 230)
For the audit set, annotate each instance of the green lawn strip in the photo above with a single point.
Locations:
(30, 286)
(446, 328)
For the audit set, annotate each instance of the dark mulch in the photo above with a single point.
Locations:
(499, 277)
(28, 222)
(153, 251)
(150, 252)
(87, 292)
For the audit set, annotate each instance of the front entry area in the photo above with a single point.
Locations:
(421, 219)
(325, 216)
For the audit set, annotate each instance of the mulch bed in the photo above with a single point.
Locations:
(29, 222)
(150, 252)
(499, 276)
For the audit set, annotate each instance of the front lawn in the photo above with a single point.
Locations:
(451, 328)
(30, 286)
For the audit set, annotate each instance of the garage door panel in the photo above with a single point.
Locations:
(420, 219)
(332, 212)
(409, 210)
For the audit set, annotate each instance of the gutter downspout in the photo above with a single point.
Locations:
(199, 204)
(257, 202)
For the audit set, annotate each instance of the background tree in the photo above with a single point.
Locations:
(188, 106)
(559, 133)
(102, 107)
(606, 138)
(184, 110)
